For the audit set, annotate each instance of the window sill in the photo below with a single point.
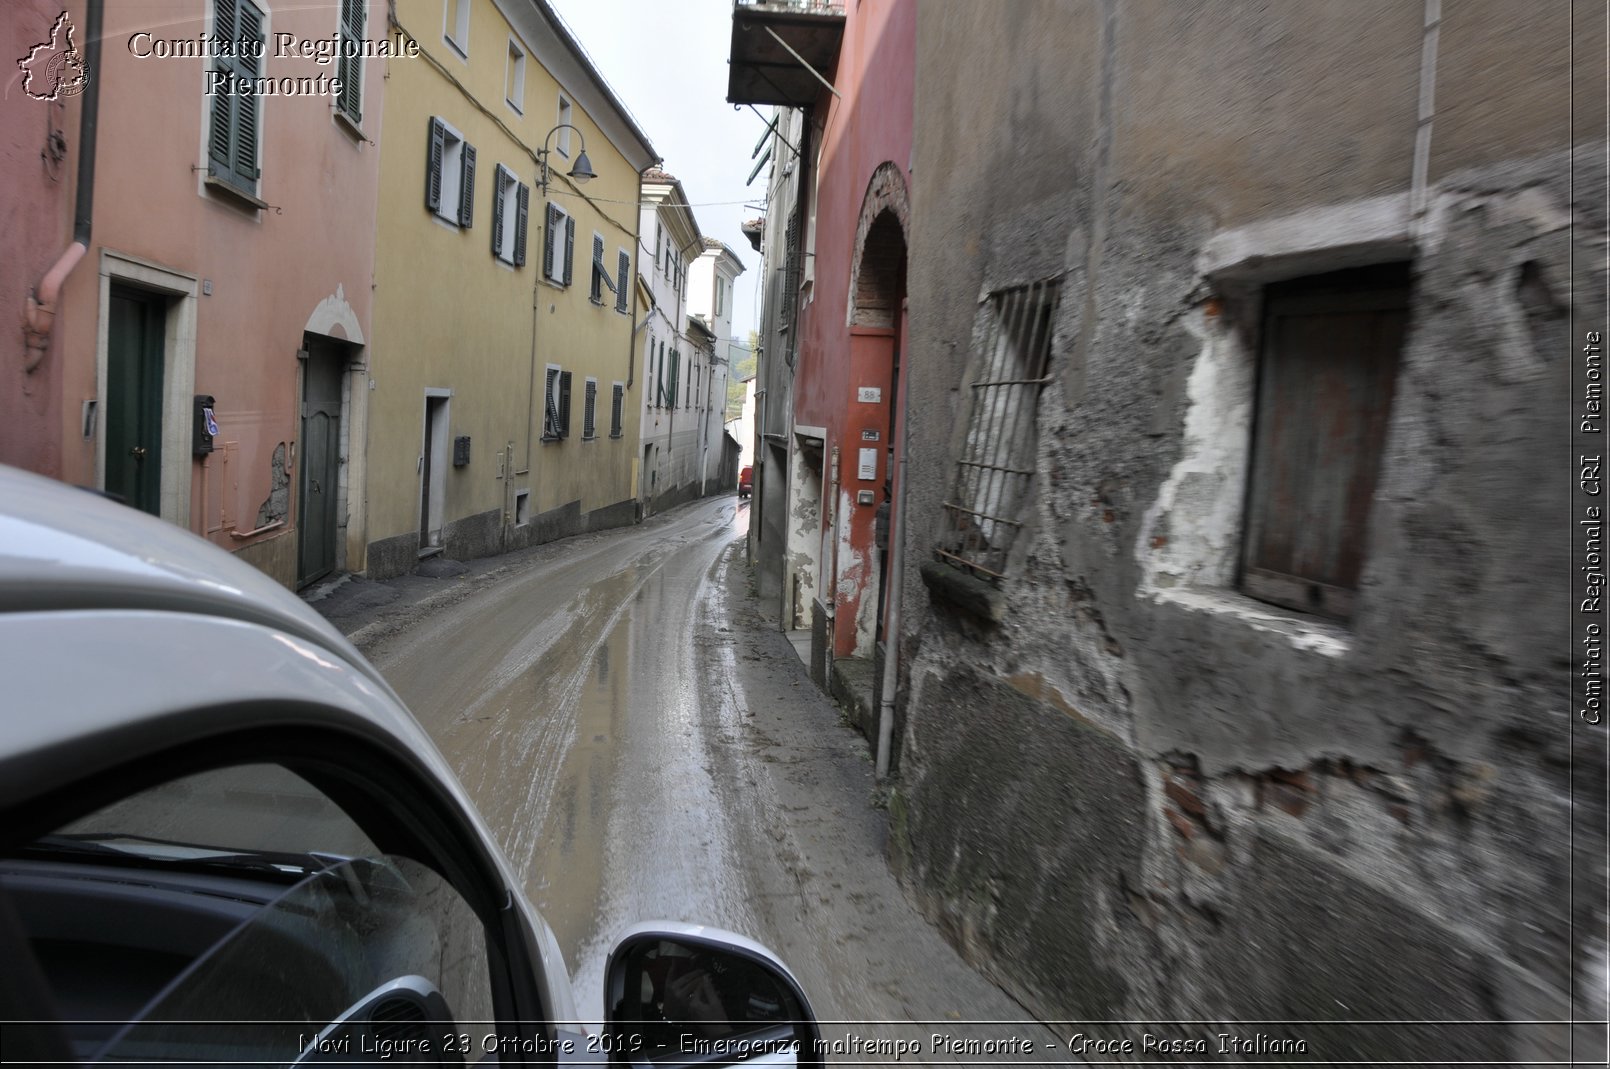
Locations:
(218, 185)
(350, 126)
(1309, 633)
(964, 591)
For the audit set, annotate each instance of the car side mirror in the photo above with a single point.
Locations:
(684, 995)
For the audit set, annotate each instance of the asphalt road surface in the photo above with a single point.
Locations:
(646, 748)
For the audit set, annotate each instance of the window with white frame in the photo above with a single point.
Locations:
(589, 410)
(456, 25)
(601, 279)
(558, 245)
(623, 275)
(617, 408)
(349, 68)
(514, 77)
(511, 209)
(449, 174)
(984, 508)
(562, 139)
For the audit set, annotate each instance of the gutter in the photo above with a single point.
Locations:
(39, 316)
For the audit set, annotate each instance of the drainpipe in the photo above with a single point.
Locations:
(39, 316)
(1426, 114)
(832, 584)
(891, 653)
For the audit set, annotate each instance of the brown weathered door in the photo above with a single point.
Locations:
(321, 458)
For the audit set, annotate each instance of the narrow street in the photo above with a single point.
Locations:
(646, 748)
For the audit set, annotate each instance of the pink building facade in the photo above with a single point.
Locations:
(835, 326)
(206, 358)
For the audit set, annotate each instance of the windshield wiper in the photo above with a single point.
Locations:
(169, 853)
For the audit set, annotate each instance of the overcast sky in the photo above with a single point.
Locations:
(667, 62)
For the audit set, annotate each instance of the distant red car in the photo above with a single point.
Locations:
(746, 480)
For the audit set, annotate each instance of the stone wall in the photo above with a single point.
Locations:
(1142, 793)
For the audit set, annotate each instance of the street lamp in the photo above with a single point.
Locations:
(581, 172)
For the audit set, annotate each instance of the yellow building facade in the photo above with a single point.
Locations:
(504, 405)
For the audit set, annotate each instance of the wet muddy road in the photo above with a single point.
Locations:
(646, 748)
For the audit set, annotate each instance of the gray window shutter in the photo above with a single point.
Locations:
(570, 248)
(589, 419)
(522, 202)
(676, 369)
(497, 210)
(597, 283)
(564, 404)
(550, 405)
(466, 187)
(623, 272)
(434, 148)
(550, 237)
(616, 407)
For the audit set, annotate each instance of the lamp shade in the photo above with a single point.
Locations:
(583, 169)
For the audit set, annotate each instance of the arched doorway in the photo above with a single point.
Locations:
(877, 324)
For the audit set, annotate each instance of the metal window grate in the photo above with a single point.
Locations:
(997, 456)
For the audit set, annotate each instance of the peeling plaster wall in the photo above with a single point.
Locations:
(1144, 794)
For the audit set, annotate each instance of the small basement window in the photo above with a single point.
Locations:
(1327, 371)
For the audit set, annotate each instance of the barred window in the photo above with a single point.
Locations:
(997, 455)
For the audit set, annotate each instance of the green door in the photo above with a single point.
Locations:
(134, 398)
(321, 456)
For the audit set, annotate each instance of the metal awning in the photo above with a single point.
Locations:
(783, 50)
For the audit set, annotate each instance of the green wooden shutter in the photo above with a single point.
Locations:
(466, 186)
(497, 210)
(246, 113)
(435, 147)
(232, 140)
(354, 17)
(570, 248)
(522, 212)
(676, 370)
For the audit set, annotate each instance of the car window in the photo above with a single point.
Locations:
(244, 807)
(237, 895)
